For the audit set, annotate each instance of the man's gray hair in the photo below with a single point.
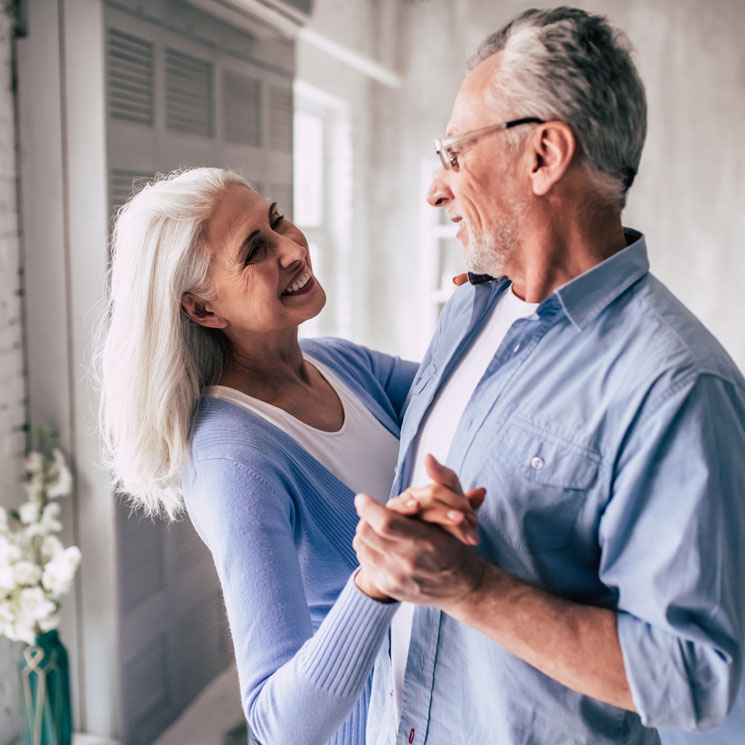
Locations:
(570, 65)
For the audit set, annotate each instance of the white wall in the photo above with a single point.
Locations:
(371, 29)
(12, 377)
(689, 197)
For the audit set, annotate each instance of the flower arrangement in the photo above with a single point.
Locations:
(36, 570)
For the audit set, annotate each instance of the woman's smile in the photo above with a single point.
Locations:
(301, 285)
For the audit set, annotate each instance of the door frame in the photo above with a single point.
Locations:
(62, 169)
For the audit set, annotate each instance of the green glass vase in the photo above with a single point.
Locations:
(45, 692)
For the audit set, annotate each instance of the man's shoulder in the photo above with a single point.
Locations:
(667, 333)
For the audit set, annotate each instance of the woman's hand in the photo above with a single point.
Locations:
(442, 503)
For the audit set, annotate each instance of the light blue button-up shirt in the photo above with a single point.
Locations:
(609, 431)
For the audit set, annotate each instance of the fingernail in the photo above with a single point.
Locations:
(412, 503)
(455, 515)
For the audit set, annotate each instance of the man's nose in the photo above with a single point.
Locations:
(439, 193)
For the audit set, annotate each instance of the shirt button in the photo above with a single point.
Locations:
(411, 735)
(516, 348)
(536, 462)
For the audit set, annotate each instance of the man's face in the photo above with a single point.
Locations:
(481, 194)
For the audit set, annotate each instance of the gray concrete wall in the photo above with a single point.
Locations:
(689, 197)
(12, 377)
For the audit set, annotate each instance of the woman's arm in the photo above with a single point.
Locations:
(296, 686)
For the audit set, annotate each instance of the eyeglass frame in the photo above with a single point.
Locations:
(450, 160)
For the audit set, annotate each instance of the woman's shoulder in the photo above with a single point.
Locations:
(336, 352)
(221, 429)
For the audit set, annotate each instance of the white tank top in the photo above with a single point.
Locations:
(362, 454)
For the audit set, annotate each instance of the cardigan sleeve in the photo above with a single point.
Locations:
(296, 686)
(395, 375)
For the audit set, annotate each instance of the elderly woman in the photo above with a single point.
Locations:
(210, 401)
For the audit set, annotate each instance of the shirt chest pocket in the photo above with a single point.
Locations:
(537, 484)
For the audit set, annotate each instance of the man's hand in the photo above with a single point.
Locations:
(441, 503)
(403, 558)
(406, 559)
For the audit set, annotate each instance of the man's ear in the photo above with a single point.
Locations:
(199, 312)
(553, 147)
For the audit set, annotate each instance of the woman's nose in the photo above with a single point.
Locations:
(439, 193)
(291, 251)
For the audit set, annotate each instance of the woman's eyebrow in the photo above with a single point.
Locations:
(272, 208)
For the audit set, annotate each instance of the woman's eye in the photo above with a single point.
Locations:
(253, 253)
(277, 221)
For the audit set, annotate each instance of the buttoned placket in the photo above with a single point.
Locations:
(516, 348)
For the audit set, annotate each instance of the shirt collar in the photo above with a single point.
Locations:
(584, 297)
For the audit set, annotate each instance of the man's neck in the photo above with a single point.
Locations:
(554, 253)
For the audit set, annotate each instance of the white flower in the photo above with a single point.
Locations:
(49, 623)
(29, 512)
(9, 552)
(49, 522)
(34, 463)
(34, 487)
(61, 486)
(59, 572)
(3, 520)
(51, 547)
(7, 578)
(20, 632)
(26, 573)
(34, 605)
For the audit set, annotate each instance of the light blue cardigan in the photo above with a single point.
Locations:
(280, 528)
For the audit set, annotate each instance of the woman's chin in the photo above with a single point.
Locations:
(316, 303)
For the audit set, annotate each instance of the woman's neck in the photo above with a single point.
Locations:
(270, 363)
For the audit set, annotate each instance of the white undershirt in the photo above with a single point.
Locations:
(362, 454)
(436, 435)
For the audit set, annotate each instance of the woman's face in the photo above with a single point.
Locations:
(260, 271)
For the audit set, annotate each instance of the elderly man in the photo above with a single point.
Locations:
(605, 597)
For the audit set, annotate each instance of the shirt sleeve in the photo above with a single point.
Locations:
(296, 686)
(671, 541)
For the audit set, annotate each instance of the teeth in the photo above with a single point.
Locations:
(298, 284)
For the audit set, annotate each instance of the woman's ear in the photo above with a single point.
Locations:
(553, 147)
(199, 311)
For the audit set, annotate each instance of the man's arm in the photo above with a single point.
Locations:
(574, 644)
(670, 543)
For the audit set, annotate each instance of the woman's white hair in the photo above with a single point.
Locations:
(153, 361)
(567, 64)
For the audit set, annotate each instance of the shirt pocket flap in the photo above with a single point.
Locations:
(545, 458)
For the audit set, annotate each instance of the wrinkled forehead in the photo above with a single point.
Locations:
(236, 211)
(478, 101)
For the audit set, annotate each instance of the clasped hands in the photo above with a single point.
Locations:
(418, 547)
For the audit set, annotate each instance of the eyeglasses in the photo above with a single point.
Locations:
(444, 147)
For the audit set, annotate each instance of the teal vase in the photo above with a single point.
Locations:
(45, 692)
